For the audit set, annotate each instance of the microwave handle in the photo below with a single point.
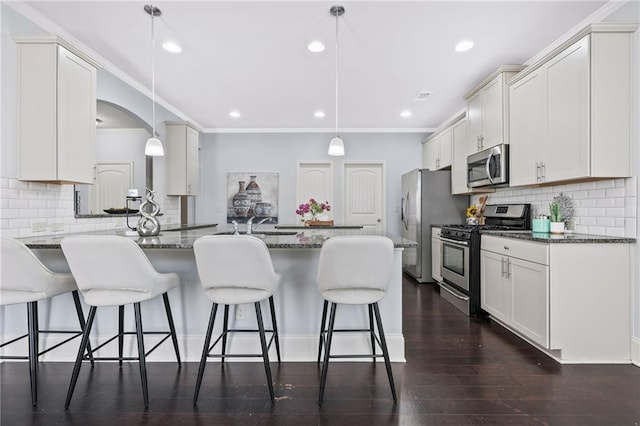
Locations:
(488, 168)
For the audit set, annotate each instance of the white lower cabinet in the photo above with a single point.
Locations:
(436, 254)
(515, 291)
(572, 300)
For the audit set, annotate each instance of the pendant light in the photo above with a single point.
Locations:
(153, 146)
(336, 146)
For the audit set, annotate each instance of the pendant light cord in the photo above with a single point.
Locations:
(337, 17)
(153, 75)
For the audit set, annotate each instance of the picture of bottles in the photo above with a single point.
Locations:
(252, 195)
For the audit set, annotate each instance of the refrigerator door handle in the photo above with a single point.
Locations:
(405, 205)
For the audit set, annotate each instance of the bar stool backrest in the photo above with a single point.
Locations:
(235, 261)
(109, 262)
(352, 262)
(22, 271)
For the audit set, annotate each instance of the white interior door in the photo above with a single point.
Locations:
(112, 182)
(314, 180)
(364, 195)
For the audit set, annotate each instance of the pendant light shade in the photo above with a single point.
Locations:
(336, 146)
(153, 146)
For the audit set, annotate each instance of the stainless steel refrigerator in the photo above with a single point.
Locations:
(427, 201)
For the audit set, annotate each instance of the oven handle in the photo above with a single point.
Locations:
(458, 243)
(453, 292)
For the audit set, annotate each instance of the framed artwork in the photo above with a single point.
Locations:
(252, 195)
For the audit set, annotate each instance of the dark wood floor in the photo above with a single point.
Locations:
(459, 371)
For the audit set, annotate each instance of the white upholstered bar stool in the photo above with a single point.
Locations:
(233, 270)
(355, 270)
(24, 279)
(114, 271)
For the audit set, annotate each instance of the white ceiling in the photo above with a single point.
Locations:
(253, 57)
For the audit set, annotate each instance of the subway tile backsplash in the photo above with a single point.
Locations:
(604, 207)
(30, 209)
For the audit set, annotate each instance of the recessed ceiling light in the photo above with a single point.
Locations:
(315, 46)
(234, 114)
(319, 114)
(171, 47)
(405, 113)
(464, 45)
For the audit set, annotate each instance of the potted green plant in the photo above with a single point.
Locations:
(557, 220)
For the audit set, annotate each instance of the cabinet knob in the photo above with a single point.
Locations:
(506, 247)
(379, 220)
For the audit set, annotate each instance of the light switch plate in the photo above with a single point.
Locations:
(39, 227)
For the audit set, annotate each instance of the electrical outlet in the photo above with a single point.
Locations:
(57, 227)
(39, 227)
(241, 312)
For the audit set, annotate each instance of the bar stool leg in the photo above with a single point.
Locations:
(265, 351)
(225, 329)
(172, 327)
(372, 332)
(327, 352)
(141, 353)
(120, 333)
(32, 325)
(83, 346)
(322, 324)
(205, 352)
(275, 327)
(76, 302)
(385, 352)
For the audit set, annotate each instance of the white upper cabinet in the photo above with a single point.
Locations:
(570, 113)
(436, 151)
(181, 153)
(56, 111)
(487, 108)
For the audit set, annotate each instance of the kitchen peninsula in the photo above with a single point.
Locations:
(295, 254)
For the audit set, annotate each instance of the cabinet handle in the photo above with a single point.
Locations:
(481, 142)
(506, 247)
(502, 266)
(537, 171)
(544, 171)
(508, 268)
(478, 142)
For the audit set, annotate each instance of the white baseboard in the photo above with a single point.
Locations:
(293, 348)
(635, 351)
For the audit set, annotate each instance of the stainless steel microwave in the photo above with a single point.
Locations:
(489, 167)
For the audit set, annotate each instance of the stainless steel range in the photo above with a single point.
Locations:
(460, 268)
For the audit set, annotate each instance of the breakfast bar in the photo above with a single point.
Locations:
(295, 254)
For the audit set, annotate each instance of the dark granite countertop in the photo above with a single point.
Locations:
(567, 238)
(318, 227)
(183, 239)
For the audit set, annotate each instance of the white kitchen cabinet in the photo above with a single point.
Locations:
(437, 150)
(487, 109)
(571, 300)
(181, 156)
(56, 111)
(436, 254)
(514, 288)
(570, 111)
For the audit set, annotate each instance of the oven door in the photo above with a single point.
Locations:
(454, 268)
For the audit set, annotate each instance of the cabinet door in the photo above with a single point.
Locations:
(495, 297)
(193, 175)
(444, 148)
(459, 153)
(530, 299)
(430, 154)
(492, 113)
(567, 140)
(436, 259)
(525, 129)
(474, 119)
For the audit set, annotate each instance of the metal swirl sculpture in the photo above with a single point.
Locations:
(148, 225)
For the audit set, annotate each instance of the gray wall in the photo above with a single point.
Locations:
(280, 152)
